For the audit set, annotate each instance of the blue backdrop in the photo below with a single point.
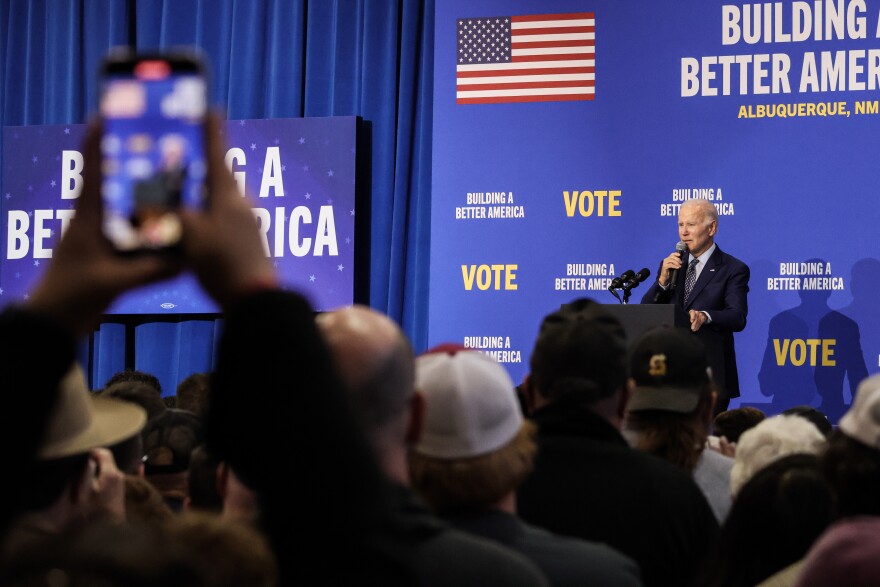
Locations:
(270, 59)
(774, 118)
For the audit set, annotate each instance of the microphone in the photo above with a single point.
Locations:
(637, 279)
(618, 282)
(682, 249)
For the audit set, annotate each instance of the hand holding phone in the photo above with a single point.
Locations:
(153, 148)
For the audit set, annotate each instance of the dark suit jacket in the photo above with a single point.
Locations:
(721, 290)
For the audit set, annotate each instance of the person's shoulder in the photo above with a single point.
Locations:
(734, 262)
(453, 557)
(600, 563)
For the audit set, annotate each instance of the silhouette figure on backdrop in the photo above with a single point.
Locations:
(864, 285)
(810, 349)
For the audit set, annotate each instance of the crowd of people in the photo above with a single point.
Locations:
(321, 451)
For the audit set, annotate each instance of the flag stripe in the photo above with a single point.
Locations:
(474, 69)
(531, 92)
(509, 99)
(531, 58)
(525, 85)
(508, 79)
(562, 46)
(569, 30)
(520, 39)
(523, 18)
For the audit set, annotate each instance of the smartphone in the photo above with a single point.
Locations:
(153, 109)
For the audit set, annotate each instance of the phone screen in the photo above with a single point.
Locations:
(152, 148)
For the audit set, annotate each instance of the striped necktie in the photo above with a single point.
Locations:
(690, 279)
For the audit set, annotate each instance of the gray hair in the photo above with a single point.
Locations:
(707, 208)
(771, 440)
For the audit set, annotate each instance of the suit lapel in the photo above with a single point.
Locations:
(713, 266)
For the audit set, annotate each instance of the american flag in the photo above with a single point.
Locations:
(529, 58)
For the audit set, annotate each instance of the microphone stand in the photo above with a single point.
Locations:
(614, 293)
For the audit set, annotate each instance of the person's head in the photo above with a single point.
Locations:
(771, 440)
(475, 448)
(375, 363)
(231, 554)
(579, 356)
(135, 375)
(732, 423)
(169, 440)
(671, 395)
(852, 461)
(193, 392)
(143, 502)
(697, 225)
(776, 517)
(815, 416)
(78, 424)
(847, 554)
(137, 392)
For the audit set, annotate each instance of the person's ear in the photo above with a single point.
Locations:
(416, 418)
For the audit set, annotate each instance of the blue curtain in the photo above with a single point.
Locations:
(269, 59)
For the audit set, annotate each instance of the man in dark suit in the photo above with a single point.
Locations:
(712, 287)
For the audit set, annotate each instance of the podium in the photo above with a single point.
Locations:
(637, 318)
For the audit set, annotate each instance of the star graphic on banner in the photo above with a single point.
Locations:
(1, 291)
(27, 296)
(284, 168)
(330, 173)
(308, 196)
(275, 264)
(17, 275)
(348, 241)
(8, 195)
(34, 158)
(241, 123)
(277, 141)
(52, 183)
(30, 188)
(67, 131)
(340, 267)
(330, 201)
(311, 278)
(305, 167)
(36, 263)
(352, 212)
(253, 146)
(302, 140)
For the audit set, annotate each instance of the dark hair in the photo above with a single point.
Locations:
(672, 436)
(128, 454)
(853, 469)
(732, 423)
(169, 440)
(138, 393)
(46, 480)
(775, 518)
(138, 376)
(813, 415)
(193, 392)
(580, 354)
